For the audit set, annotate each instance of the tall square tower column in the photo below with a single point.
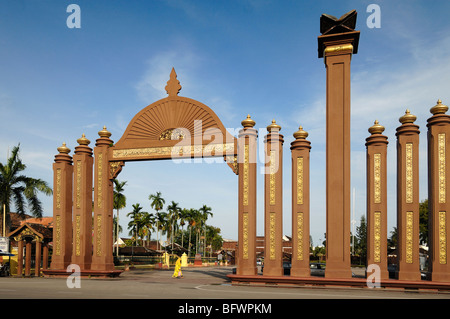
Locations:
(337, 44)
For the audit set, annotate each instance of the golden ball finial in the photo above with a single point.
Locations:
(83, 140)
(273, 126)
(248, 122)
(301, 134)
(407, 118)
(376, 128)
(104, 133)
(439, 108)
(63, 149)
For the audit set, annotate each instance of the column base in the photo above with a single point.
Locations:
(338, 272)
(300, 272)
(440, 276)
(408, 275)
(246, 271)
(273, 271)
(103, 267)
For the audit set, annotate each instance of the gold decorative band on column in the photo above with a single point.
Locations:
(78, 190)
(99, 180)
(246, 175)
(409, 237)
(409, 173)
(377, 178)
(272, 236)
(99, 235)
(442, 238)
(441, 159)
(77, 235)
(377, 236)
(337, 48)
(272, 178)
(57, 240)
(299, 236)
(300, 180)
(245, 235)
(58, 188)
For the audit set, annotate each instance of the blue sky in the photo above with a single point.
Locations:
(237, 57)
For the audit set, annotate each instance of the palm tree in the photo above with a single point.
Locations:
(135, 223)
(120, 201)
(191, 218)
(174, 214)
(184, 217)
(148, 223)
(161, 223)
(19, 189)
(157, 203)
(204, 212)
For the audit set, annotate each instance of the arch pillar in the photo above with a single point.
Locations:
(438, 190)
(408, 198)
(246, 261)
(376, 145)
(82, 205)
(300, 149)
(273, 202)
(62, 209)
(102, 258)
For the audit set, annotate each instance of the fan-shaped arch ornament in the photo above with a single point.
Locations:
(175, 127)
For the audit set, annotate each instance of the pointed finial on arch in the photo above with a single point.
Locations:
(173, 85)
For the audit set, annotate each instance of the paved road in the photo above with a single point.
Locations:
(205, 291)
(198, 283)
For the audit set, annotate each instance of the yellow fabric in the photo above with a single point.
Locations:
(177, 272)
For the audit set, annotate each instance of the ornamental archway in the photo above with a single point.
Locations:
(174, 127)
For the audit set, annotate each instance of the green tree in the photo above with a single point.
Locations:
(361, 236)
(184, 217)
(192, 218)
(215, 240)
(173, 215)
(148, 225)
(204, 211)
(19, 189)
(157, 203)
(423, 221)
(393, 240)
(120, 201)
(136, 221)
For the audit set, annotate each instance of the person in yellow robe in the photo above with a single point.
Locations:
(177, 272)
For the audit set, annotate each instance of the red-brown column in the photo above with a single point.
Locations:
(337, 52)
(28, 257)
(45, 256)
(438, 190)
(246, 263)
(408, 198)
(102, 258)
(300, 149)
(62, 209)
(37, 261)
(82, 204)
(20, 257)
(377, 199)
(273, 202)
